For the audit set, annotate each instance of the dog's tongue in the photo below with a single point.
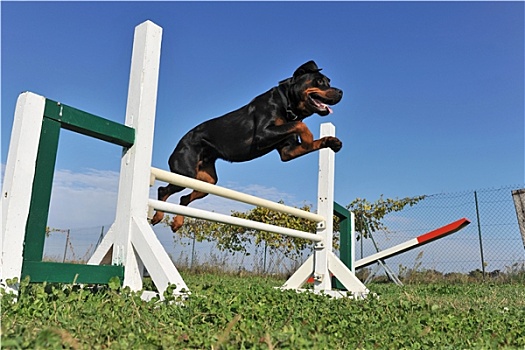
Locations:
(322, 105)
(327, 107)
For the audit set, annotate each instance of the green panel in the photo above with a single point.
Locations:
(54, 272)
(341, 212)
(41, 193)
(88, 124)
(57, 116)
(345, 238)
(345, 228)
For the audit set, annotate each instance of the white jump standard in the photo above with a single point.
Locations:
(131, 238)
(30, 165)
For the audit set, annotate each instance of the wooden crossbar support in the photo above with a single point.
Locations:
(55, 272)
(89, 124)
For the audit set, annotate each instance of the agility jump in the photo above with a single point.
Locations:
(131, 242)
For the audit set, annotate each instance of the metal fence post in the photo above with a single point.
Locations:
(479, 234)
(67, 243)
(264, 259)
(518, 197)
(192, 251)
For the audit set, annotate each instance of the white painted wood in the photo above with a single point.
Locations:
(325, 208)
(157, 261)
(301, 276)
(387, 252)
(205, 187)
(134, 243)
(346, 277)
(18, 182)
(356, 289)
(134, 178)
(232, 220)
(103, 248)
(324, 263)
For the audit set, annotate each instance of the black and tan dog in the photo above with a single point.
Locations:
(271, 121)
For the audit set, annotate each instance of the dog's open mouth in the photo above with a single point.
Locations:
(317, 102)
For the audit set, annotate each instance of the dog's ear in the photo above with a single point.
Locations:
(308, 67)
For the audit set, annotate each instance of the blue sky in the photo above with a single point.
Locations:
(433, 91)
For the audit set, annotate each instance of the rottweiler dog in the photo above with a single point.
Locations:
(271, 121)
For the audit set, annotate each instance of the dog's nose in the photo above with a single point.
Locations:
(339, 93)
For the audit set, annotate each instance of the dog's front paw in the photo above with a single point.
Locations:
(334, 143)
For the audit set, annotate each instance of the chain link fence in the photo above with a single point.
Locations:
(490, 244)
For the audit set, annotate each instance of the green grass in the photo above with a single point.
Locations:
(230, 312)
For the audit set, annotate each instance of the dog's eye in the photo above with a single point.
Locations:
(320, 82)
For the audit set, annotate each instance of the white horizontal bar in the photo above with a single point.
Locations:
(205, 187)
(387, 253)
(226, 219)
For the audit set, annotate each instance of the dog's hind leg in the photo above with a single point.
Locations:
(205, 173)
(163, 193)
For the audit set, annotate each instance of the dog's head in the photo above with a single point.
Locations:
(310, 92)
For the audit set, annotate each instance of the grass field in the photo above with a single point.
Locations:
(230, 312)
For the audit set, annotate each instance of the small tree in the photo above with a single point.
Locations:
(372, 214)
(237, 239)
(291, 247)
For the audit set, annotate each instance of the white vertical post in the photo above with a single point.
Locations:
(324, 262)
(18, 182)
(135, 245)
(325, 208)
(134, 172)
